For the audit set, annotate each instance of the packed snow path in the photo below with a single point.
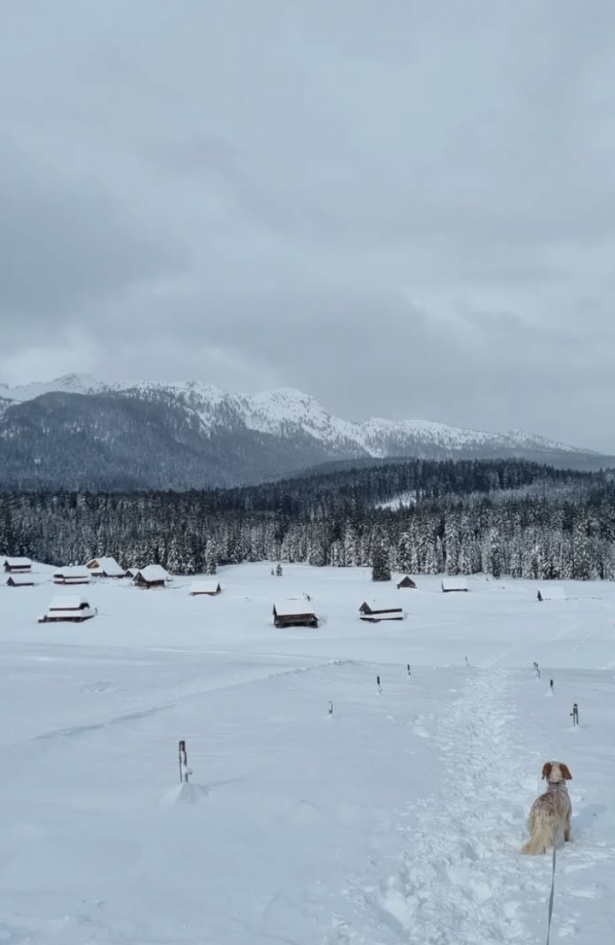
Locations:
(461, 879)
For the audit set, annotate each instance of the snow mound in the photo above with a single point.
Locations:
(185, 793)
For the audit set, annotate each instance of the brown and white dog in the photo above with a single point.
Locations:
(550, 813)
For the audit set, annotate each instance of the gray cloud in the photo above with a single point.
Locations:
(64, 243)
(404, 210)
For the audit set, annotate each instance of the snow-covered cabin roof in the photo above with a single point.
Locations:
(68, 608)
(68, 602)
(454, 584)
(16, 563)
(73, 572)
(380, 606)
(23, 580)
(293, 607)
(105, 567)
(151, 573)
(551, 592)
(205, 587)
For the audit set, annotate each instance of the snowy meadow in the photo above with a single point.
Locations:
(398, 817)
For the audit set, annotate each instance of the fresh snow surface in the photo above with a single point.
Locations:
(396, 819)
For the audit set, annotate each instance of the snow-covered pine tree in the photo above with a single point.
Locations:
(381, 570)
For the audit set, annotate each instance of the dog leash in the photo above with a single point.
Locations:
(552, 896)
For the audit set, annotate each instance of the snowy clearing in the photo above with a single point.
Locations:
(398, 818)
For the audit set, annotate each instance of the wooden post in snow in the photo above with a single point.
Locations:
(184, 770)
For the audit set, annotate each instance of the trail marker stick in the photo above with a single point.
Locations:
(378, 683)
(409, 670)
(330, 708)
(184, 770)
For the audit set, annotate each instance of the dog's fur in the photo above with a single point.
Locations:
(550, 812)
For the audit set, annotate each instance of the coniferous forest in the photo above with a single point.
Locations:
(497, 517)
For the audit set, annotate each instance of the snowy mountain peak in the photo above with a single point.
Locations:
(68, 384)
(291, 415)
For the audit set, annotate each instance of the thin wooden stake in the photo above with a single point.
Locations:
(183, 763)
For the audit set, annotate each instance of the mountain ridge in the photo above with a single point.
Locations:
(270, 411)
(182, 435)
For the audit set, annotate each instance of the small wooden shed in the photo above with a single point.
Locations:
(551, 592)
(17, 565)
(20, 580)
(374, 611)
(152, 576)
(71, 575)
(206, 588)
(407, 582)
(68, 609)
(450, 584)
(295, 613)
(105, 567)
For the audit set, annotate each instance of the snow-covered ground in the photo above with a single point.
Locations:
(397, 819)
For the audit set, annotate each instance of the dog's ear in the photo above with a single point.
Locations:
(546, 770)
(565, 772)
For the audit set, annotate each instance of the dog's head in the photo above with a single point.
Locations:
(554, 771)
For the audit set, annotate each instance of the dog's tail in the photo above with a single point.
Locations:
(543, 835)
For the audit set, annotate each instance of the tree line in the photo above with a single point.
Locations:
(497, 517)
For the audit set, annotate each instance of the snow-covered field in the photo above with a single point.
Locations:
(398, 819)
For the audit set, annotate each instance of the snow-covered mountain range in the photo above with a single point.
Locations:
(202, 435)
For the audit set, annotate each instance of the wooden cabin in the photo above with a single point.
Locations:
(20, 580)
(374, 611)
(207, 588)
(407, 582)
(450, 584)
(551, 592)
(150, 577)
(105, 567)
(68, 610)
(17, 565)
(71, 575)
(295, 613)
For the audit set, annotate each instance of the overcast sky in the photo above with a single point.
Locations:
(405, 209)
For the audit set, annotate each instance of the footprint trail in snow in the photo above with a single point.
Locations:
(461, 880)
